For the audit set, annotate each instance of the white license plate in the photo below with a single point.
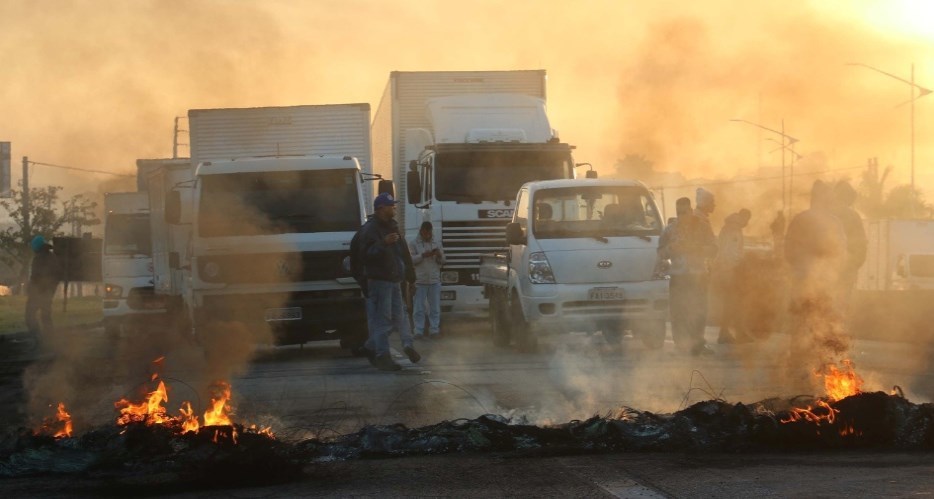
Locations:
(283, 314)
(606, 294)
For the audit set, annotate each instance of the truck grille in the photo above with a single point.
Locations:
(464, 242)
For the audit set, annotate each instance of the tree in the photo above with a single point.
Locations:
(872, 188)
(47, 215)
(903, 201)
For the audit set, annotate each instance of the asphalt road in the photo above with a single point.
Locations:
(320, 390)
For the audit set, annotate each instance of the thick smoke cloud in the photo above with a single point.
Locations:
(98, 84)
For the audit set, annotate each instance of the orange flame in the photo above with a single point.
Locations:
(63, 417)
(841, 383)
(190, 421)
(811, 414)
(151, 410)
(218, 410)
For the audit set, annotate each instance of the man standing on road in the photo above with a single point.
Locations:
(427, 257)
(387, 263)
(700, 249)
(816, 251)
(689, 246)
(44, 275)
(729, 257)
(856, 242)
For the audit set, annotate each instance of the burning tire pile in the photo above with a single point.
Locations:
(129, 453)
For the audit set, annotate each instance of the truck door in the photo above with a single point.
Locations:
(517, 251)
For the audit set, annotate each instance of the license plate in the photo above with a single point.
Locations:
(605, 294)
(283, 314)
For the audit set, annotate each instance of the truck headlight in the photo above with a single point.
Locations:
(450, 277)
(540, 270)
(112, 291)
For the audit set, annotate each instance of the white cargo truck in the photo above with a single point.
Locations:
(458, 144)
(899, 256)
(581, 257)
(126, 262)
(276, 196)
(170, 241)
(895, 286)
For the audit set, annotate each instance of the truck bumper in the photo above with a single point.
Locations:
(291, 318)
(467, 302)
(142, 303)
(571, 307)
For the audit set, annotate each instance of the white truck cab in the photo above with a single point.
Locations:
(126, 262)
(581, 257)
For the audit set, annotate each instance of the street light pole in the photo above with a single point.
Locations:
(790, 142)
(922, 91)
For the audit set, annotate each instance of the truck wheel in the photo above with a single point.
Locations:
(499, 320)
(519, 329)
(613, 332)
(653, 333)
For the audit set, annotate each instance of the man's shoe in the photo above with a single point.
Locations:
(434, 337)
(726, 338)
(385, 363)
(369, 354)
(414, 357)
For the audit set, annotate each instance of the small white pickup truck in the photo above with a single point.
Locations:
(581, 257)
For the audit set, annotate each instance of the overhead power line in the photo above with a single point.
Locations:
(89, 170)
(754, 179)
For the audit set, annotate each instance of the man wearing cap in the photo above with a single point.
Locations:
(701, 248)
(44, 275)
(387, 262)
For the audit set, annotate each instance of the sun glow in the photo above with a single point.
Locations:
(912, 19)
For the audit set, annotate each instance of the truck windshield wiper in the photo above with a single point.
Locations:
(601, 239)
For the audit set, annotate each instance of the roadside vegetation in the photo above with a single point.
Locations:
(81, 311)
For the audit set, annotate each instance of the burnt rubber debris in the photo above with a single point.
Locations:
(241, 455)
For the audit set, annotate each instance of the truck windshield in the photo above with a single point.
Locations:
(264, 203)
(475, 176)
(127, 234)
(598, 211)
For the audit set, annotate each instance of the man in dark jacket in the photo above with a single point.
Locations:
(44, 275)
(856, 242)
(387, 264)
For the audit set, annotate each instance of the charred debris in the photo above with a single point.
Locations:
(243, 456)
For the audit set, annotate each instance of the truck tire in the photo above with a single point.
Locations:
(652, 333)
(613, 332)
(499, 319)
(519, 329)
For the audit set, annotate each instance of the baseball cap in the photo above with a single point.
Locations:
(384, 199)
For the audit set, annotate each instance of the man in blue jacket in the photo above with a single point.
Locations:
(387, 263)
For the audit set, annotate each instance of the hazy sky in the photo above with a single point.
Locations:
(97, 83)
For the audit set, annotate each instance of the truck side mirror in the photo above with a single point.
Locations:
(413, 187)
(386, 186)
(173, 207)
(515, 234)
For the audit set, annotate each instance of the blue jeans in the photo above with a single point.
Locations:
(427, 294)
(385, 312)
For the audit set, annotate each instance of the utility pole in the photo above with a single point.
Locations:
(27, 230)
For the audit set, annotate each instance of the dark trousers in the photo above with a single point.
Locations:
(39, 313)
(687, 298)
